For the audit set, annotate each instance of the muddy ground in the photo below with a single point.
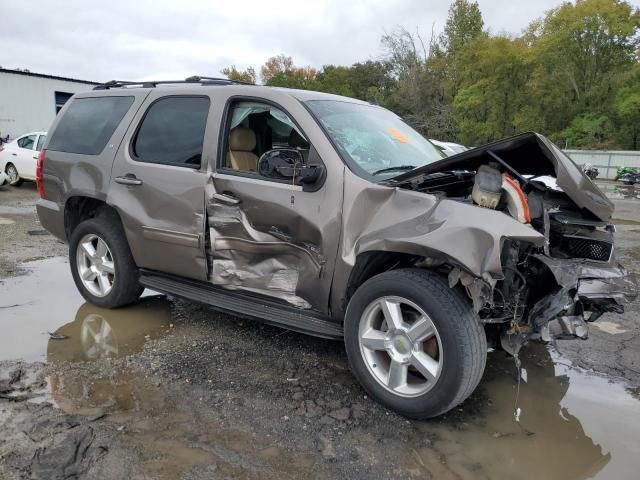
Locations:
(166, 389)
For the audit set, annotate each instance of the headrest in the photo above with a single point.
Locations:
(296, 140)
(242, 139)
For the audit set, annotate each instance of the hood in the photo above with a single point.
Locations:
(528, 154)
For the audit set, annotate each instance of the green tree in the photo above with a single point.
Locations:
(464, 24)
(464, 27)
(577, 51)
(491, 93)
(246, 76)
(627, 110)
(280, 71)
(587, 130)
(419, 95)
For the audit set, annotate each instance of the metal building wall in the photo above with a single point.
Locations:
(27, 103)
(607, 162)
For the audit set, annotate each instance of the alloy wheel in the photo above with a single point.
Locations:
(401, 346)
(95, 263)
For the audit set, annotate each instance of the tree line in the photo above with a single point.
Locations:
(572, 75)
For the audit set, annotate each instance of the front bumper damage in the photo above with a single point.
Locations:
(584, 288)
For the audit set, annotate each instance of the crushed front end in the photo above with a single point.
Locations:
(555, 292)
(548, 288)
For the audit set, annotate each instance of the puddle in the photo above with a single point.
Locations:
(32, 305)
(98, 335)
(40, 301)
(619, 191)
(582, 426)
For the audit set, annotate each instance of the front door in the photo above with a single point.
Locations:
(158, 181)
(269, 234)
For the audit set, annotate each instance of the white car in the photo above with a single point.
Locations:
(19, 157)
(449, 148)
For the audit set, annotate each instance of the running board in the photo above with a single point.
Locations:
(244, 304)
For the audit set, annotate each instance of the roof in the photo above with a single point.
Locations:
(115, 87)
(43, 75)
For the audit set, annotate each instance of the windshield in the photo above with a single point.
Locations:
(372, 139)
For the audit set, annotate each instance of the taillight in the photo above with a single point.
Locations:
(39, 166)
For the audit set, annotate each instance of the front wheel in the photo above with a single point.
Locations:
(414, 343)
(101, 263)
(13, 177)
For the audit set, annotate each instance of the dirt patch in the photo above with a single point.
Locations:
(18, 222)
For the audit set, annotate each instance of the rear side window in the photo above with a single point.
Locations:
(172, 132)
(41, 140)
(88, 124)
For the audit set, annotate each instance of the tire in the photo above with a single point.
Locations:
(460, 342)
(12, 171)
(111, 275)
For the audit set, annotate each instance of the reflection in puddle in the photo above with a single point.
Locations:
(98, 335)
(37, 303)
(583, 426)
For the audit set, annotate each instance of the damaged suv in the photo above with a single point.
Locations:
(331, 217)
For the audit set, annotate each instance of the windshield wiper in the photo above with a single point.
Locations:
(393, 169)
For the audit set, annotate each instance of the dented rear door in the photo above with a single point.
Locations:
(158, 182)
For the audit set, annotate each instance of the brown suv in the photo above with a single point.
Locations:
(332, 217)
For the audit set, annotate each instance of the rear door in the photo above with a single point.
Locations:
(25, 156)
(157, 183)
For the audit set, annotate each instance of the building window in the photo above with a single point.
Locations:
(61, 99)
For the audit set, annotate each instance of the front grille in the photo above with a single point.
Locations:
(585, 247)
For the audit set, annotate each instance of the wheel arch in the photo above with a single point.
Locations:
(79, 208)
(371, 263)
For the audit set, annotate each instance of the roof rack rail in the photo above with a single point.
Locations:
(153, 83)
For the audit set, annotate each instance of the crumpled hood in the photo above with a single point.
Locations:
(529, 154)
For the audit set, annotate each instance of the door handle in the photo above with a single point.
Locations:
(14, 154)
(128, 179)
(226, 199)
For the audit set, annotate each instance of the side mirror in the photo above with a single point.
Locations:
(288, 163)
(303, 174)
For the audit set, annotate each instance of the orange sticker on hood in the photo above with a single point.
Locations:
(398, 135)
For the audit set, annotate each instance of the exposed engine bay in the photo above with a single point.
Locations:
(546, 290)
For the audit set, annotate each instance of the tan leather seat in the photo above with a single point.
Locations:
(242, 141)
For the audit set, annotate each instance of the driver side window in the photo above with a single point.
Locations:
(256, 128)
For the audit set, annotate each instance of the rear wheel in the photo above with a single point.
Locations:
(13, 176)
(414, 343)
(101, 263)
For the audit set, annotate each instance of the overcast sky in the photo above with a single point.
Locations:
(136, 40)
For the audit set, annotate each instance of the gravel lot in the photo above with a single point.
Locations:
(169, 389)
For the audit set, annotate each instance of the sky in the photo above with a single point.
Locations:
(142, 40)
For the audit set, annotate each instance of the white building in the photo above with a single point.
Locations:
(30, 101)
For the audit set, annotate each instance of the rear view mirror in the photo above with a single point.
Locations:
(288, 163)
